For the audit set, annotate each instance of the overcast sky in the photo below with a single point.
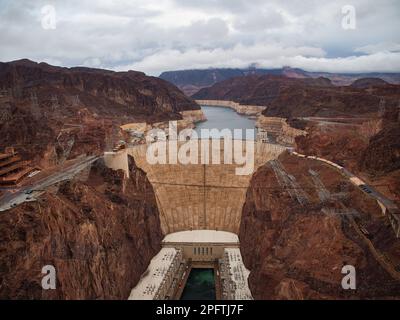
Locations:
(161, 35)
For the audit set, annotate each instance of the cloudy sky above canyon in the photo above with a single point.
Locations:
(161, 35)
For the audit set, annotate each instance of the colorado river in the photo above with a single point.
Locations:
(200, 285)
(224, 118)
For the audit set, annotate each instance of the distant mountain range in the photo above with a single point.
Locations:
(191, 81)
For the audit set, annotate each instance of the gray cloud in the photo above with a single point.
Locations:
(155, 36)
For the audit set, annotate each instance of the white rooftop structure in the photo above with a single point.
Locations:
(151, 280)
(202, 236)
(239, 274)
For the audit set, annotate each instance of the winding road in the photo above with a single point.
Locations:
(32, 191)
(389, 207)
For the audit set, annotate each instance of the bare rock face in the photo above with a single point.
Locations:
(383, 152)
(297, 251)
(368, 82)
(293, 98)
(382, 156)
(321, 101)
(254, 89)
(100, 236)
(42, 106)
(340, 145)
(381, 159)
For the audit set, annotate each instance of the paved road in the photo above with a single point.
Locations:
(363, 186)
(323, 121)
(32, 192)
(392, 208)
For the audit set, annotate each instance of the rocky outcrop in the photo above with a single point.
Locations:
(368, 83)
(43, 108)
(382, 154)
(299, 100)
(380, 160)
(305, 101)
(301, 248)
(100, 236)
(338, 144)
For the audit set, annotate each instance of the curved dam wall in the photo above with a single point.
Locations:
(198, 196)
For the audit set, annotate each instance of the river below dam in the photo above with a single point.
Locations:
(200, 285)
(225, 118)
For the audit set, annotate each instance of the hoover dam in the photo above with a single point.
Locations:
(197, 196)
(200, 209)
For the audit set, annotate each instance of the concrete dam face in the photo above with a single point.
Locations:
(201, 196)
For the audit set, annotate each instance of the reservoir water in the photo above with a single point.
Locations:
(200, 285)
(224, 118)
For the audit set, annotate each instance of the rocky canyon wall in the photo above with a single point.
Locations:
(297, 250)
(100, 236)
(50, 113)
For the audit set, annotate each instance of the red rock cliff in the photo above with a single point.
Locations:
(44, 108)
(297, 252)
(100, 235)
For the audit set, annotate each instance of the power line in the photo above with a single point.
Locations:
(247, 187)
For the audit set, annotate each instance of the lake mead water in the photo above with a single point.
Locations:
(224, 118)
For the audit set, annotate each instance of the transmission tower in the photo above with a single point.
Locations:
(54, 103)
(382, 108)
(5, 113)
(35, 105)
(75, 100)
